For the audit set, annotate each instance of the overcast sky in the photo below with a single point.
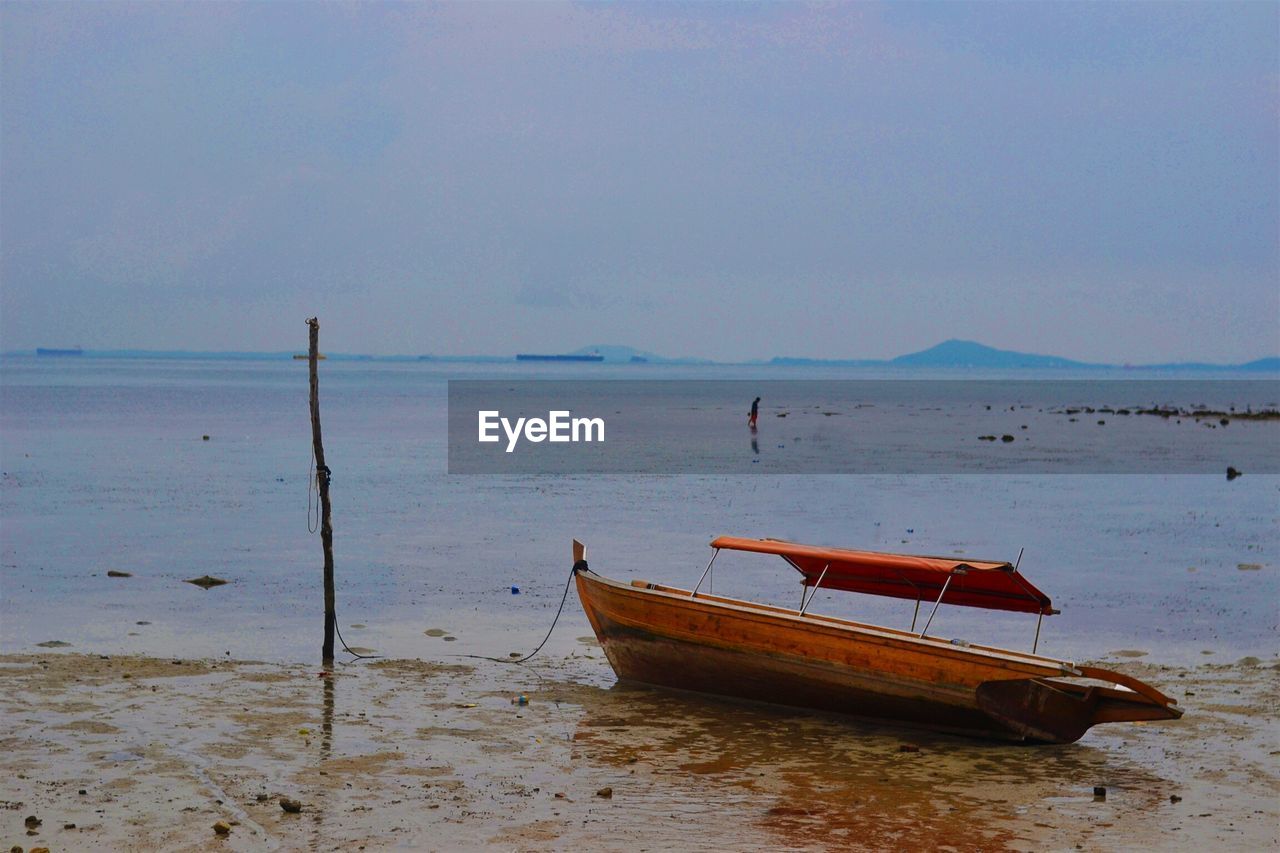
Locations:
(1099, 181)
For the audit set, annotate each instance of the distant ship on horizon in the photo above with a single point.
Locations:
(57, 351)
(525, 356)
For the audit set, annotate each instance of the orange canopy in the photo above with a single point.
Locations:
(974, 583)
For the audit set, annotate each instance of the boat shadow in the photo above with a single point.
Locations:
(807, 779)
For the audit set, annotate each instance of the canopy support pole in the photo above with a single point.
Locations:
(818, 583)
(694, 594)
(936, 603)
(1036, 643)
(915, 615)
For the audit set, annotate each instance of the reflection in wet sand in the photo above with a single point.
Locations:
(807, 780)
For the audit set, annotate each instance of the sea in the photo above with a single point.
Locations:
(169, 469)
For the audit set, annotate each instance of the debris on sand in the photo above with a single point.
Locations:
(1249, 567)
(1232, 473)
(206, 581)
(290, 806)
(222, 828)
(53, 644)
(605, 793)
(112, 573)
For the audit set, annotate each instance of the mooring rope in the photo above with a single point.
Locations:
(581, 564)
(312, 487)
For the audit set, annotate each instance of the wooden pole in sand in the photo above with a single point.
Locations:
(322, 478)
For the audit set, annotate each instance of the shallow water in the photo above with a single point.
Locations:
(104, 467)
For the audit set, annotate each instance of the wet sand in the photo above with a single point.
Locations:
(143, 753)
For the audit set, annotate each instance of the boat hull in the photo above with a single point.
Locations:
(659, 636)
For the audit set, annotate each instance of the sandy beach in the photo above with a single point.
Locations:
(139, 753)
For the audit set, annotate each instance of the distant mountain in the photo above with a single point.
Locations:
(794, 361)
(956, 353)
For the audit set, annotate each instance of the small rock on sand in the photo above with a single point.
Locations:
(32, 822)
(1232, 473)
(222, 828)
(290, 806)
(206, 581)
(606, 793)
(112, 573)
(1006, 438)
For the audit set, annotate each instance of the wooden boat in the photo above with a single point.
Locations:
(693, 640)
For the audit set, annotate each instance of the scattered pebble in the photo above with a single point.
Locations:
(1232, 473)
(290, 806)
(606, 793)
(112, 573)
(1099, 793)
(222, 828)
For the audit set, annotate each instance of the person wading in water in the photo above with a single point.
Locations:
(755, 411)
